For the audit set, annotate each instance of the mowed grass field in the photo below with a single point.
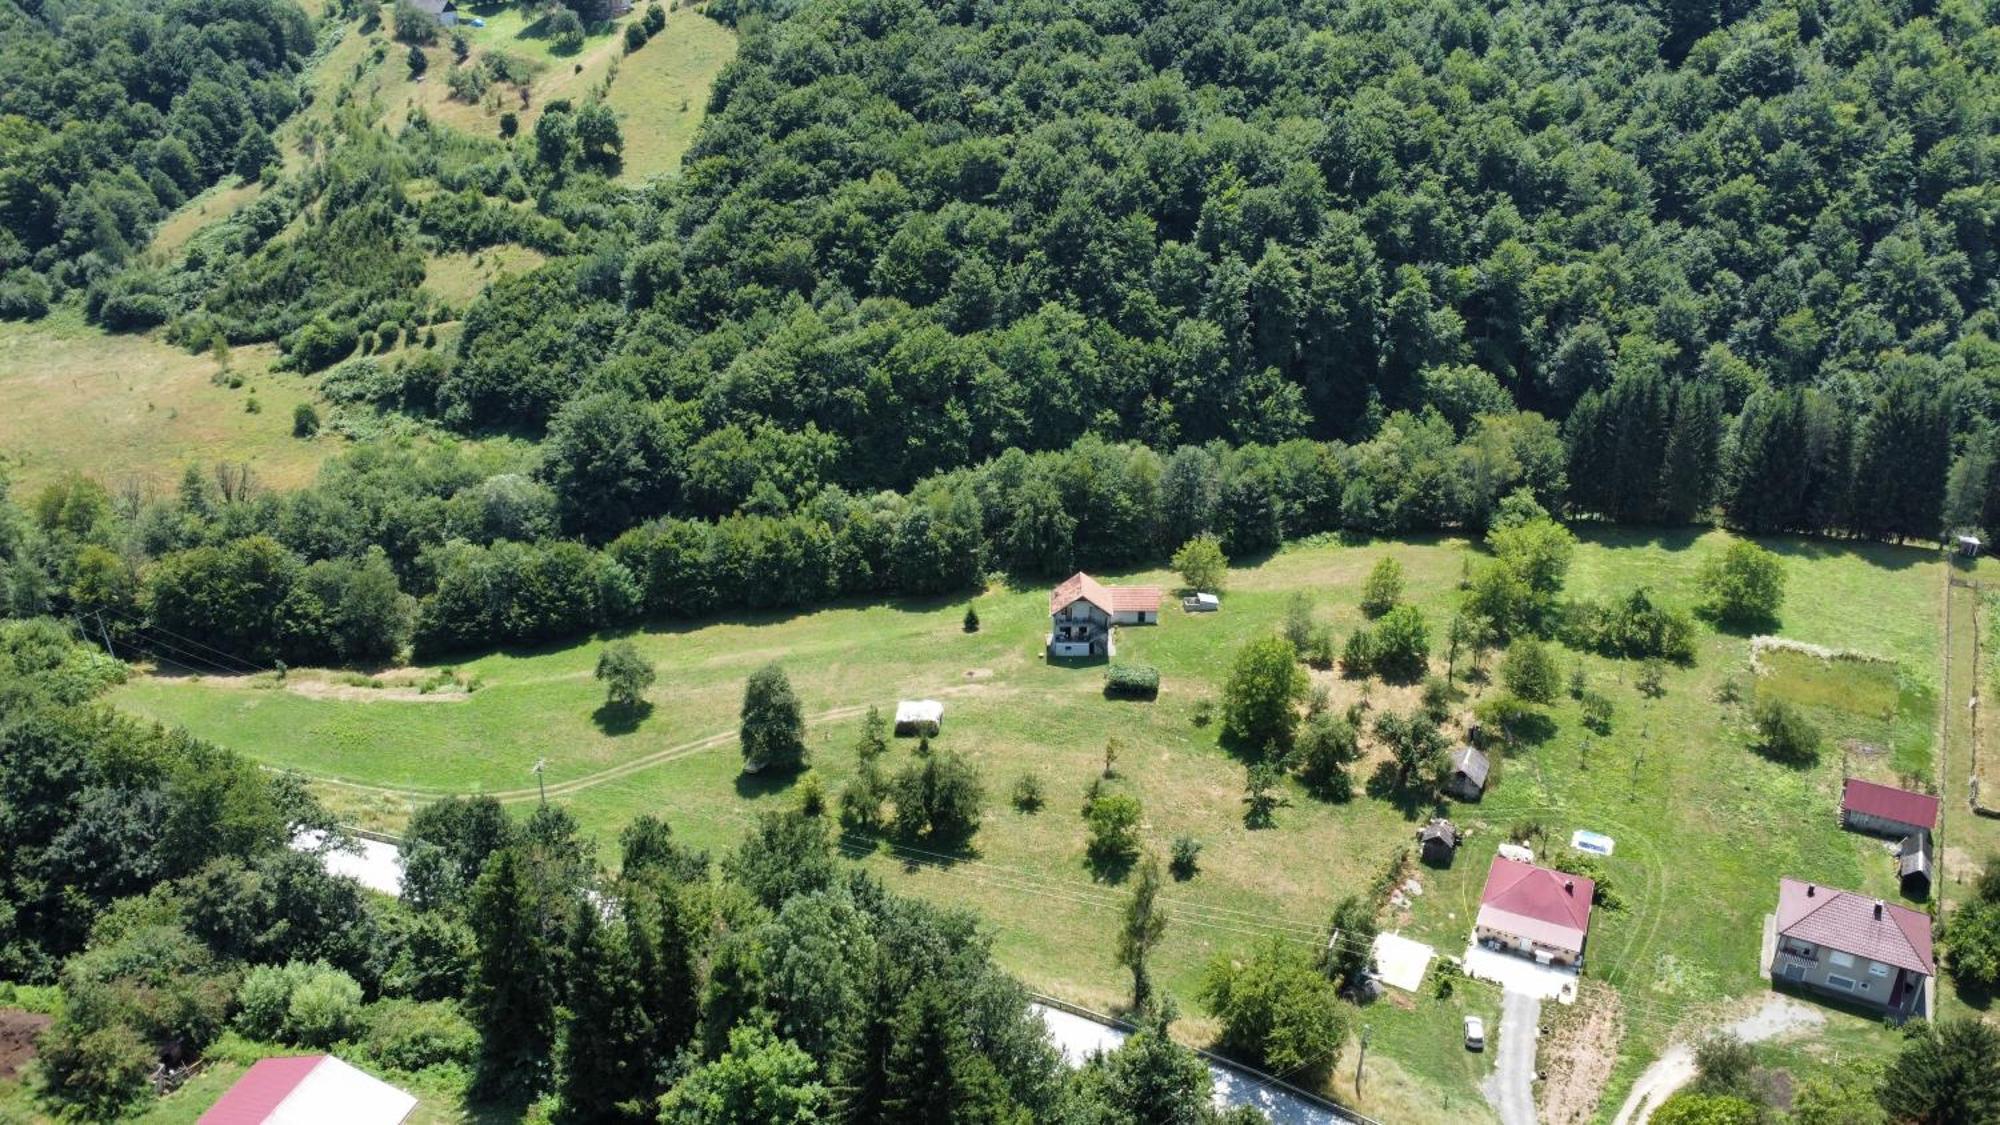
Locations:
(661, 93)
(1704, 826)
(126, 407)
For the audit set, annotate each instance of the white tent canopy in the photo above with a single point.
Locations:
(919, 716)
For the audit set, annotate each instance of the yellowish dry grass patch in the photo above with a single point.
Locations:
(661, 93)
(133, 408)
(457, 278)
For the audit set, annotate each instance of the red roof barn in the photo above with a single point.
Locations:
(309, 1090)
(1870, 807)
(1536, 911)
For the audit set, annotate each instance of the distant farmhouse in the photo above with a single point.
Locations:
(443, 11)
(1083, 610)
(1535, 911)
(1861, 949)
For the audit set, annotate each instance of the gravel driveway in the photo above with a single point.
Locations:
(1675, 1067)
(1510, 1089)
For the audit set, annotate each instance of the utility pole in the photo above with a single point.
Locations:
(541, 764)
(1359, 1061)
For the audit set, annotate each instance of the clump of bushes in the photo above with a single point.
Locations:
(1186, 859)
(1784, 734)
(1028, 792)
(307, 1004)
(1132, 681)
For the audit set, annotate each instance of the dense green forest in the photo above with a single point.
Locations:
(948, 288)
(114, 113)
(147, 875)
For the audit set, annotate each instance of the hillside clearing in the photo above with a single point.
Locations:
(131, 408)
(661, 94)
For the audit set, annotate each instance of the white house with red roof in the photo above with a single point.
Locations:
(1535, 911)
(1853, 946)
(1868, 806)
(1082, 612)
(309, 1090)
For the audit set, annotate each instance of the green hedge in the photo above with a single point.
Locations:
(1132, 681)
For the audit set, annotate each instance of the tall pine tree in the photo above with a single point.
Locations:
(1900, 467)
(512, 999)
(608, 1072)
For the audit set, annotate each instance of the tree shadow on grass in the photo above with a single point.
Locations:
(617, 719)
(1110, 868)
(1413, 802)
(766, 782)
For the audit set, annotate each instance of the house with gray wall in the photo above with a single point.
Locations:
(1854, 947)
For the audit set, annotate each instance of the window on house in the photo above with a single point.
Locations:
(1844, 983)
(1877, 969)
(1842, 960)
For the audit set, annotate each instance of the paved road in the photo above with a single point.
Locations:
(375, 865)
(1078, 1038)
(1511, 1086)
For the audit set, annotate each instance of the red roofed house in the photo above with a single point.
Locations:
(309, 1090)
(1886, 810)
(1082, 611)
(1535, 912)
(1850, 945)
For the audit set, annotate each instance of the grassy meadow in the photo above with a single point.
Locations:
(129, 407)
(1703, 825)
(661, 93)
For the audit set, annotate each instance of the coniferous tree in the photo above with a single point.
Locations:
(1688, 477)
(606, 1069)
(1901, 462)
(934, 1073)
(512, 998)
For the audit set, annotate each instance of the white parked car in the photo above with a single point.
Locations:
(1475, 1033)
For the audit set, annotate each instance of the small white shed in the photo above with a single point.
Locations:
(919, 716)
(1201, 603)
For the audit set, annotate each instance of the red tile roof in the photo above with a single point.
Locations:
(260, 1090)
(1549, 907)
(1110, 599)
(1134, 599)
(1847, 921)
(1889, 803)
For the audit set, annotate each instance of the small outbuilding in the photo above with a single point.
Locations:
(309, 1090)
(445, 12)
(1968, 546)
(1469, 770)
(1913, 865)
(1201, 603)
(919, 717)
(1884, 810)
(1438, 842)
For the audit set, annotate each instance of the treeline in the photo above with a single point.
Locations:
(148, 876)
(115, 112)
(447, 548)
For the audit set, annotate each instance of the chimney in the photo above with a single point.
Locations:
(1569, 886)
(1878, 910)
